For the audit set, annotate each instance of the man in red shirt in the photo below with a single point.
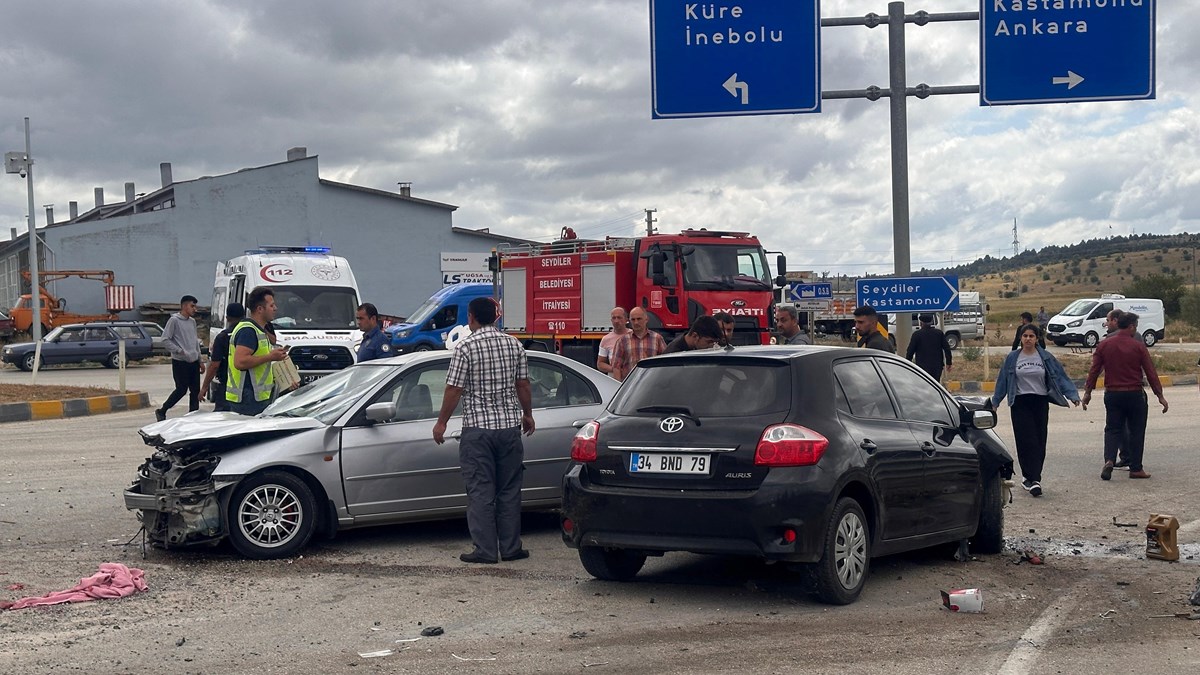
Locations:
(1123, 359)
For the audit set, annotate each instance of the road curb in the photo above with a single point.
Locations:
(975, 387)
(72, 407)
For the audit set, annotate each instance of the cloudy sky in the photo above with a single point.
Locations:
(533, 115)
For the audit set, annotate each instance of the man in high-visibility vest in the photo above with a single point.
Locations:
(250, 356)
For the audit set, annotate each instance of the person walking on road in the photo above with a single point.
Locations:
(639, 343)
(930, 348)
(1027, 320)
(787, 320)
(1043, 319)
(217, 374)
(871, 333)
(704, 333)
(490, 369)
(251, 380)
(1124, 359)
(620, 326)
(1110, 325)
(181, 340)
(1031, 379)
(375, 343)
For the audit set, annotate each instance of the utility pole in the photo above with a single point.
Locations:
(650, 221)
(1016, 242)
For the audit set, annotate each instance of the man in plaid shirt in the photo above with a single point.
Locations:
(637, 344)
(490, 368)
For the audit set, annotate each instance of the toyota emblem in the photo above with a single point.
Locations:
(670, 425)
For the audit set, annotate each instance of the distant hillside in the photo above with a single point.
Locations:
(1056, 275)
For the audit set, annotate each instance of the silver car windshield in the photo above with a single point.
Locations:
(328, 398)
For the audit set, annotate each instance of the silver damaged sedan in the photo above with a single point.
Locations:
(354, 448)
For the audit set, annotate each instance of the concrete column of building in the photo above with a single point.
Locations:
(164, 170)
(99, 192)
(73, 209)
(49, 214)
(298, 152)
(129, 194)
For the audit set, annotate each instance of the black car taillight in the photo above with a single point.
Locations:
(789, 445)
(583, 448)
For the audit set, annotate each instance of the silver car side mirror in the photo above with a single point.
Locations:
(983, 419)
(381, 412)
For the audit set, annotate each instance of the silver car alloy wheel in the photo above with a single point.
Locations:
(270, 515)
(850, 548)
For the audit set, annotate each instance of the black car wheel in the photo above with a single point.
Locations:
(272, 515)
(989, 538)
(423, 348)
(838, 578)
(113, 360)
(611, 564)
(1150, 338)
(26, 362)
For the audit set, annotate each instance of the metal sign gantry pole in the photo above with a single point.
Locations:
(898, 92)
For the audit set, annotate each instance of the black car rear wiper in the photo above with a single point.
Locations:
(681, 410)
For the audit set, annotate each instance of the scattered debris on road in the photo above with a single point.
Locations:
(432, 631)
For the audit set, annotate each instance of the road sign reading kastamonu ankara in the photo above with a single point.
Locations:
(1059, 51)
(748, 57)
(909, 294)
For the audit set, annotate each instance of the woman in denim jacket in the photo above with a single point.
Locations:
(1031, 378)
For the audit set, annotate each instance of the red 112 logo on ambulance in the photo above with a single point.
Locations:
(276, 273)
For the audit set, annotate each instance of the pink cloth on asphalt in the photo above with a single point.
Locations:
(114, 580)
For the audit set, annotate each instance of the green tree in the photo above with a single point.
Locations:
(1189, 307)
(1169, 289)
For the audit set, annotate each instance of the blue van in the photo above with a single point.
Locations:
(427, 328)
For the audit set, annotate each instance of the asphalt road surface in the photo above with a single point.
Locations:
(1089, 608)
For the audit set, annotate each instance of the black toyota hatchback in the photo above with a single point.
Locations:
(825, 456)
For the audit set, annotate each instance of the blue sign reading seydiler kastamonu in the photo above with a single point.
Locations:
(909, 294)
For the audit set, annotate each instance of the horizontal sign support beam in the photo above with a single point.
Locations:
(920, 18)
(920, 91)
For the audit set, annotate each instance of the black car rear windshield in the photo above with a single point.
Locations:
(718, 388)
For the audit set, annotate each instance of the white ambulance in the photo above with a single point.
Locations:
(316, 298)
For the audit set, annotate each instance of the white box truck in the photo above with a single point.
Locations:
(316, 298)
(1083, 320)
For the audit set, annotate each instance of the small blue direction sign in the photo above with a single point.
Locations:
(909, 294)
(812, 291)
(1058, 51)
(750, 57)
(811, 297)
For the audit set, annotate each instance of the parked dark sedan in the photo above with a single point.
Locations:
(816, 455)
(75, 343)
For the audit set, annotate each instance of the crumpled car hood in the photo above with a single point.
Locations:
(225, 429)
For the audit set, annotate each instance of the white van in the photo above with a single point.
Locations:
(316, 298)
(1083, 320)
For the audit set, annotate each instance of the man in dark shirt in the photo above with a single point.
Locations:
(930, 348)
(217, 373)
(704, 333)
(375, 343)
(1123, 359)
(866, 322)
(1026, 319)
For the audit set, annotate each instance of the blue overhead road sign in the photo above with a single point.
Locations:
(1058, 51)
(750, 57)
(909, 294)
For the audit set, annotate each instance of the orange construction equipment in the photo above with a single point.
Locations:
(54, 310)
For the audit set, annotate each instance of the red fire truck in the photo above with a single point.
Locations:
(557, 297)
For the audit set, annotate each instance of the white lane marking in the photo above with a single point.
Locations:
(1023, 655)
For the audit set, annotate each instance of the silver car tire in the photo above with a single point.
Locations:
(26, 362)
(839, 577)
(272, 515)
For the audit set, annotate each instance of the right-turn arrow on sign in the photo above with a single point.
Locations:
(1038, 51)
